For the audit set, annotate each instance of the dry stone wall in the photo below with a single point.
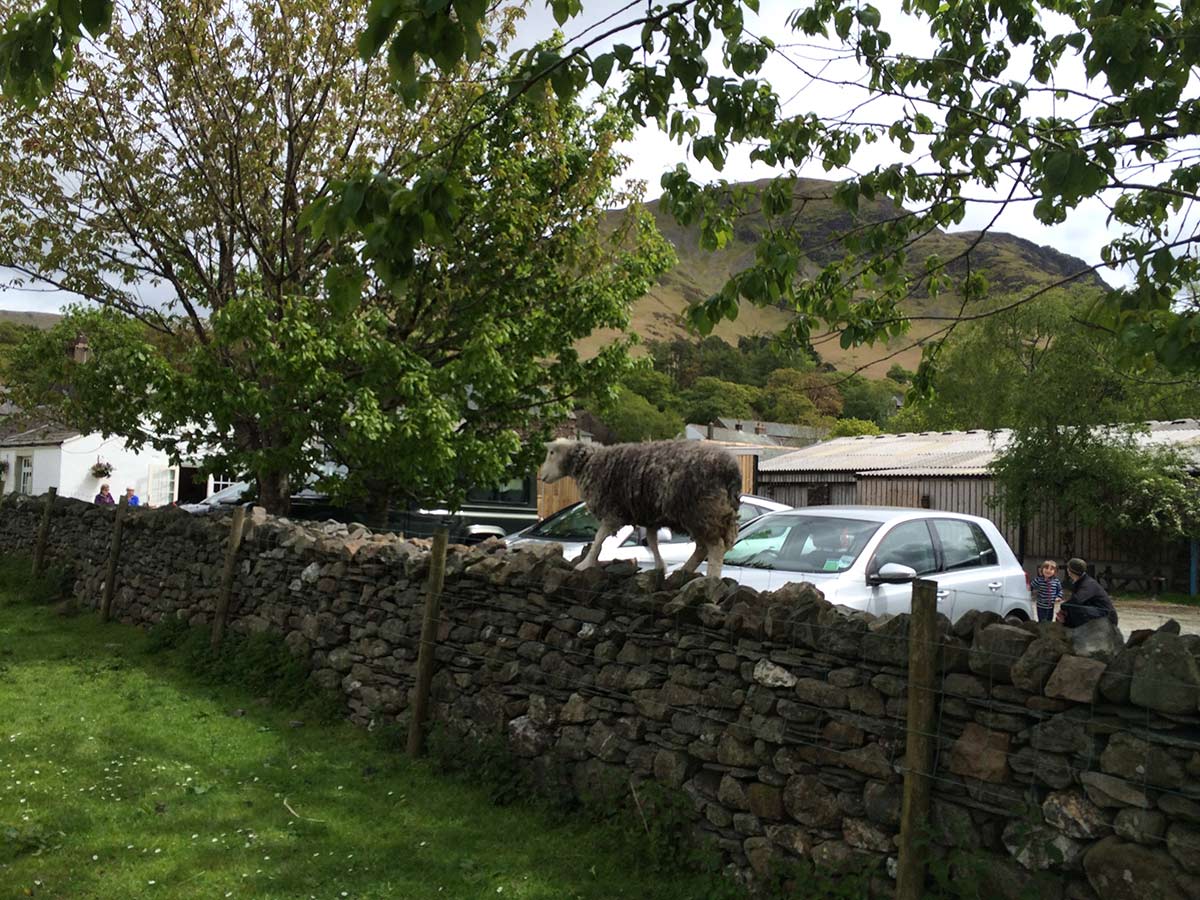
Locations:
(1067, 762)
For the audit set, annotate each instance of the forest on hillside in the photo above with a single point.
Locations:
(1035, 365)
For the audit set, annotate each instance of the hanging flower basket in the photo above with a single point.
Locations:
(102, 470)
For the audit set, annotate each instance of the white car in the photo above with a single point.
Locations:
(866, 558)
(574, 527)
(224, 499)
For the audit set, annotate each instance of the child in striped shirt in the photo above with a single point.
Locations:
(1047, 590)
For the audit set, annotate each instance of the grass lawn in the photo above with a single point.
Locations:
(123, 776)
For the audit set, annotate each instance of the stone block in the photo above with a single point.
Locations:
(1118, 870)
(1166, 677)
(981, 754)
(1076, 678)
(1073, 814)
(996, 649)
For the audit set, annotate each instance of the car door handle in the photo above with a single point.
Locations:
(995, 585)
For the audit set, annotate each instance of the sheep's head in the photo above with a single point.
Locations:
(555, 465)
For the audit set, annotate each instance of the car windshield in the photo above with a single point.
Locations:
(574, 523)
(801, 543)
(230, 494)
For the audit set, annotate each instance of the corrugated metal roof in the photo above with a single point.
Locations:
(944, 453)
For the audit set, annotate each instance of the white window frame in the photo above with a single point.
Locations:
(23, 475)
(220, 482)
(163, 486)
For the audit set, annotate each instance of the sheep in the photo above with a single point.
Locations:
(686, 486)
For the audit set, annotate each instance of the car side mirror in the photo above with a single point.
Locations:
(892, 573)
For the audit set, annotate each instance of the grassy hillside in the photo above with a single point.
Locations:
(1010, 263)
(34, 319)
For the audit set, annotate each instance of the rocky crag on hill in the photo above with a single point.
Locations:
(1067, 763)
(1009, 262)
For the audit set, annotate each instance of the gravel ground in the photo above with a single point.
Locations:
(1135, 614)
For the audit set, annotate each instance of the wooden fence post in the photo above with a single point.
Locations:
(43, 535)
(114, 553)
(420, 703)
(918, 742)
(235, 539)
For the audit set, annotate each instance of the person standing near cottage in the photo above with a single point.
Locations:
(1088, 599)
(1047, 590)
(104, 498)
(131, 499)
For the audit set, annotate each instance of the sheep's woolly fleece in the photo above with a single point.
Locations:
(681, 485)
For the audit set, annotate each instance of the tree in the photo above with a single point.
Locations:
(1045, 368)
(710, 398)
(242, 159)
(654, 386)
(1102, 476)
(899, 374)
(634, 418)
(865, 398)
(987, 115)
(799, 397)
(853, 428)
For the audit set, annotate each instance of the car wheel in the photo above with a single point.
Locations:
(1017, 616)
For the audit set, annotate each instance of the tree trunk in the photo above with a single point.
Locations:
(274, 492)
(376, 507)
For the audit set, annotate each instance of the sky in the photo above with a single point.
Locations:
(790, 72)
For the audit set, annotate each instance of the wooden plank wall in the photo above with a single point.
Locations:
(553, 497)
(1047, 536)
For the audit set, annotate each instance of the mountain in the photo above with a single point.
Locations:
(1010, 263)
(44, 321)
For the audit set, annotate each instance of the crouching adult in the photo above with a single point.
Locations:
(1088, 599)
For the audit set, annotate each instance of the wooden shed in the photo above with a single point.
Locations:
(950, 471)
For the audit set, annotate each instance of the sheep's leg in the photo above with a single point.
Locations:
(716, 556)
(652, 543)
(602, 533)
(694, 561)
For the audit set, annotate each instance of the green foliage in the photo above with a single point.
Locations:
(709, 397)
(1144, 495)
(869, 399)
(853, 428)
(634, 418)
(899, 374)
(973, 122)
(259, 662)
(54, 584)
(485, 759)
(413, 321)
(800, 397)
(1044, 366)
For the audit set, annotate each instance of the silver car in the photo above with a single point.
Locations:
(866, 558)
(574, 527)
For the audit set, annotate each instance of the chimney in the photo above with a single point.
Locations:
(78, 349)
(737, 426)
(710, 431)
(760, 427)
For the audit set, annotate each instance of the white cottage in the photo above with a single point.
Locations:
(48, 456)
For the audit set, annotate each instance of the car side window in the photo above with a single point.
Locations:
(908, 544)
(964, 545)
(748, 511)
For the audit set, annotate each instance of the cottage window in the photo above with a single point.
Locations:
(24, 475)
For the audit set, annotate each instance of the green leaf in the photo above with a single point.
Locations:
(96, 16)
(602, 67)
